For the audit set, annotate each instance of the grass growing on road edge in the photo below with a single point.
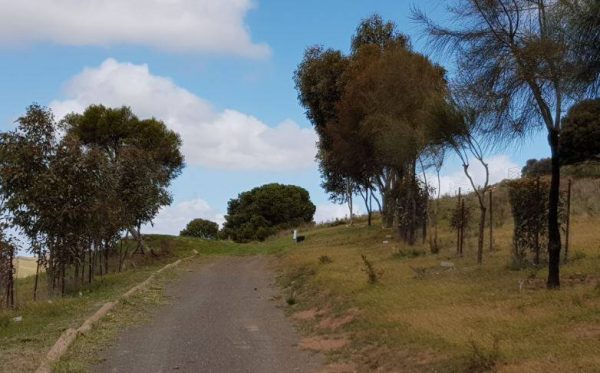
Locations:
(22, 344)
(86, 351)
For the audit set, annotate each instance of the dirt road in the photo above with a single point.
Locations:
(220, 319)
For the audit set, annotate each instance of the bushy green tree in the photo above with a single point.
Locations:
(201, 228)
(580, 137)
(260, 212)
(72, 188)
(537, 167)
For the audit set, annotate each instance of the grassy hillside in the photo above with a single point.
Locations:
(25, 266)
(444, 313)
(426, 313)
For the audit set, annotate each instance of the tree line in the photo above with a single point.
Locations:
(73, 188)
(385, 113)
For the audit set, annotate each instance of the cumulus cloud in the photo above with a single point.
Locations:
(331, 211)
(500, 166)
(178, 25)
(172, 219)
(221, 140)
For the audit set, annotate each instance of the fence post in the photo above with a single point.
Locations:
(491, 221)
(568, 221)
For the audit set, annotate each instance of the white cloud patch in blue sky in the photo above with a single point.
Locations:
(228, 140)
(500, 167)
(199, 26)
(172, 219)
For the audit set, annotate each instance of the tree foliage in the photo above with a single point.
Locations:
(520, 66)
(201, 228)
(369, 116)
(72, 188)
(580, 138)
(537, 167)
(262, 211)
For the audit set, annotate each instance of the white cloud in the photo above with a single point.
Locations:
(500, 167)
(223, 140)
(214, 26)
(172, 219)
(331, 211)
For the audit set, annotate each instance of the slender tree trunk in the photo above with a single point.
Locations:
(480, 239)
(491, 221)
(90, 264)
(37, 277)
(568, 222)
(106, 257)
(540, 207)
(10, 284)
(554, 244)
(458, 231)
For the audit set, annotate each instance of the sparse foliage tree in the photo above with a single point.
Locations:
(521, 67)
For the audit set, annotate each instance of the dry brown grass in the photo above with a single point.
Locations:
(443, 313)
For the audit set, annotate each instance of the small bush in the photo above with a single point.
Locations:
(373, 275)
(201, 228)
(577, 255)
(291, 300)
(409, 253)
(481, 360)
(324, 259)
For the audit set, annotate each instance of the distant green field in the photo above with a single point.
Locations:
(25, 267)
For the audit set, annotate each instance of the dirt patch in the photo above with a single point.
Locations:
(333, 323)
(340, 368)
(307, 315)
(586, 331)
(385, 359)
(324, 344)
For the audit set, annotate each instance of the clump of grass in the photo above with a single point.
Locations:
(420, 272)
(336, 223)
(373, 275)
(291, 299)
(481, 359)
(577, 255)
(408, 253)
(324, 259)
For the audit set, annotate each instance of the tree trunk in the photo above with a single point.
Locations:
(491, 222)
(480, 239)
(554, 244)
(460, 225)
(37, 276)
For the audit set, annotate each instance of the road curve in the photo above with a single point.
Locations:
(220, 319)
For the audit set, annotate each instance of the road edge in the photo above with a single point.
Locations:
(68, 337)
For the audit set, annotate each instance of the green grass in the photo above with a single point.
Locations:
(23, 343)
(419, 316)
(86, 352)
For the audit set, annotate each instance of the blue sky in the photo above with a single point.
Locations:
(219, 72)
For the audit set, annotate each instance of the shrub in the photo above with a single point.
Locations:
(201, 228)
(262, 211)
(529, 203)
(482, 360)
(373, 275)
(534, 167)
(324, 259)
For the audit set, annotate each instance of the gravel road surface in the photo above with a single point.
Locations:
(221, 318)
